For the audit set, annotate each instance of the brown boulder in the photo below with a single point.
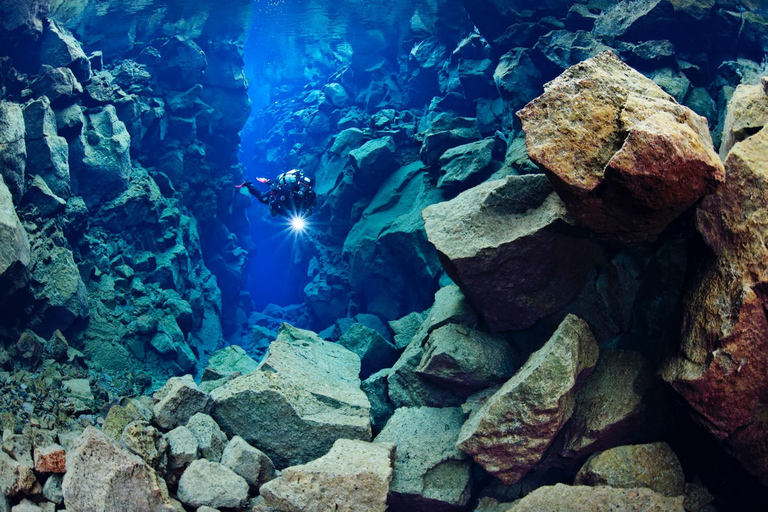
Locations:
(723, 357)
(623, 155)
(581, 498)
(510, 432)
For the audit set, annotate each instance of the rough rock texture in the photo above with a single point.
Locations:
(13, 150)
(103, 477)
(15, 477)
(723, 355)
(206, 483)
(183, 447)
(248, 462)
(178, 400)
(210, 438)
(747, 114)
(466, 360)
(609, 407)
(305, 395)
(374, 351)
(512, 249)
(596, 499)
(430, 473)
(654, 466)
(14, 247)
(510, 432)
(353, 476)
(635, 159)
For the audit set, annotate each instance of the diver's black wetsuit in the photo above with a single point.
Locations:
(290, 194)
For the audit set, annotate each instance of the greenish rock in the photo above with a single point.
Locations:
(390, 235)
(59, 292)
(61, 50)
(304, 396)
(118, 418)
(40, 196)
(654, 466)
(512, 248)
(178, 400)
(145, 441)
(700, 101)
(516, 160)
(346, 141)
(517, 78)
(374, 351)
(210, 438)
(562, 48)
(183, 447)
(405, 328)
(139, 204)
(449, 307)
(58, 84)
(30, 348)
(13, 151)
(447, 131)
(15, 254)
(99, 158)
(232, 359)
(579, 498)
(430, 473)
(375, 388)
(465, 165)
(373, 162)
(674, 83)
(336, 94)
(466, 360)
(510, 432)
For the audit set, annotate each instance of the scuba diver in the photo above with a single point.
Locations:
(290, 195)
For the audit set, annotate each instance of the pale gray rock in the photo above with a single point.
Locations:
(430, 473)
(511, 431)
(232, 359)
(305, 395)
(654, 466)
(27, 506)
(248, 462)
(354, 476)
(374, 351)
(14, 247)
(206, 483)
(210, 438)
(13, 152)
(405, 328)
(104, 477)
(183, 447)
(178, 400)
(52, 488)
(466, 165)
(15, 477)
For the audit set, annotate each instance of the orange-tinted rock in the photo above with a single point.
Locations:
(50, 459)
(723, 358)
(624, 156)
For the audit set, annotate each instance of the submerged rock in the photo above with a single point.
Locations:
(14, 247)
(13, 150)
(305, 395)
(374, 351)
(747, 114)
(654, 466)
(430, 473)
(248, 462)
(178, 400)
(205, 483)
(104, 477)
(634, 159)
(724, 350)
(581, 498)
(511, 431)
(512, 249)
(353, 476)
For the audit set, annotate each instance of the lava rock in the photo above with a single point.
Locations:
(15, 477)
(206, 483)
(104, 477)
(183, 447)
(630, 147)
(145, 441)
(374, 351)
(183, 63)
(248, 462)
(305, 395)
(373, 162)
(426, 459)
(512, 249)
(61, 50)
(581, 498)
(466, 165)
(511, 431)
(445, 132)
(747, 114)
(517, 78)
(232, 359)
(13, 152)
(353, 476)
(210, 439)
(376, 389)
(654, 466)
(58, 84)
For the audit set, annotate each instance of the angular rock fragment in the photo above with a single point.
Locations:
(625, 158)
(145, 441)
(747, 114)
(466, 165)
(104, 477)
(14, 247)
(374, 351)
(60, 49)
(512, 249)
(511, 431)
(723, 354)
(305, 395)
(50, 459)
(581, 498)
(426, 459)
(206, 483)
(15, 477)
(183, 447)
(13, 152)
(375, 388)
(178, 400)
(248, 462)
(446, 132)
(210, 438)
(654, 466)
(353, 476)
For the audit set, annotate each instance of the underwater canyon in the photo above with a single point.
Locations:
(532, 279)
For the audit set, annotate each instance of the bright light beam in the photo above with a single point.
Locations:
(298, 224)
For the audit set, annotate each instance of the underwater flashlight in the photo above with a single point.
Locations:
(298, 224)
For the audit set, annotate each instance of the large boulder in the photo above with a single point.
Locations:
(512, 248)
(13, 150)
(447, 131)
(723, 356)
(390, 235)
(580, 498)
(305, 395)
(61, 50)
(430, 473)
(14, 247)
(625, 158)
(654, 466)
(633, 21)
(354, 476)
(466, 165)
(178, 400)
(206, 483)
(511, 431)
(373, 162)
(104, 477)
(747, 114)
(248, 462)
